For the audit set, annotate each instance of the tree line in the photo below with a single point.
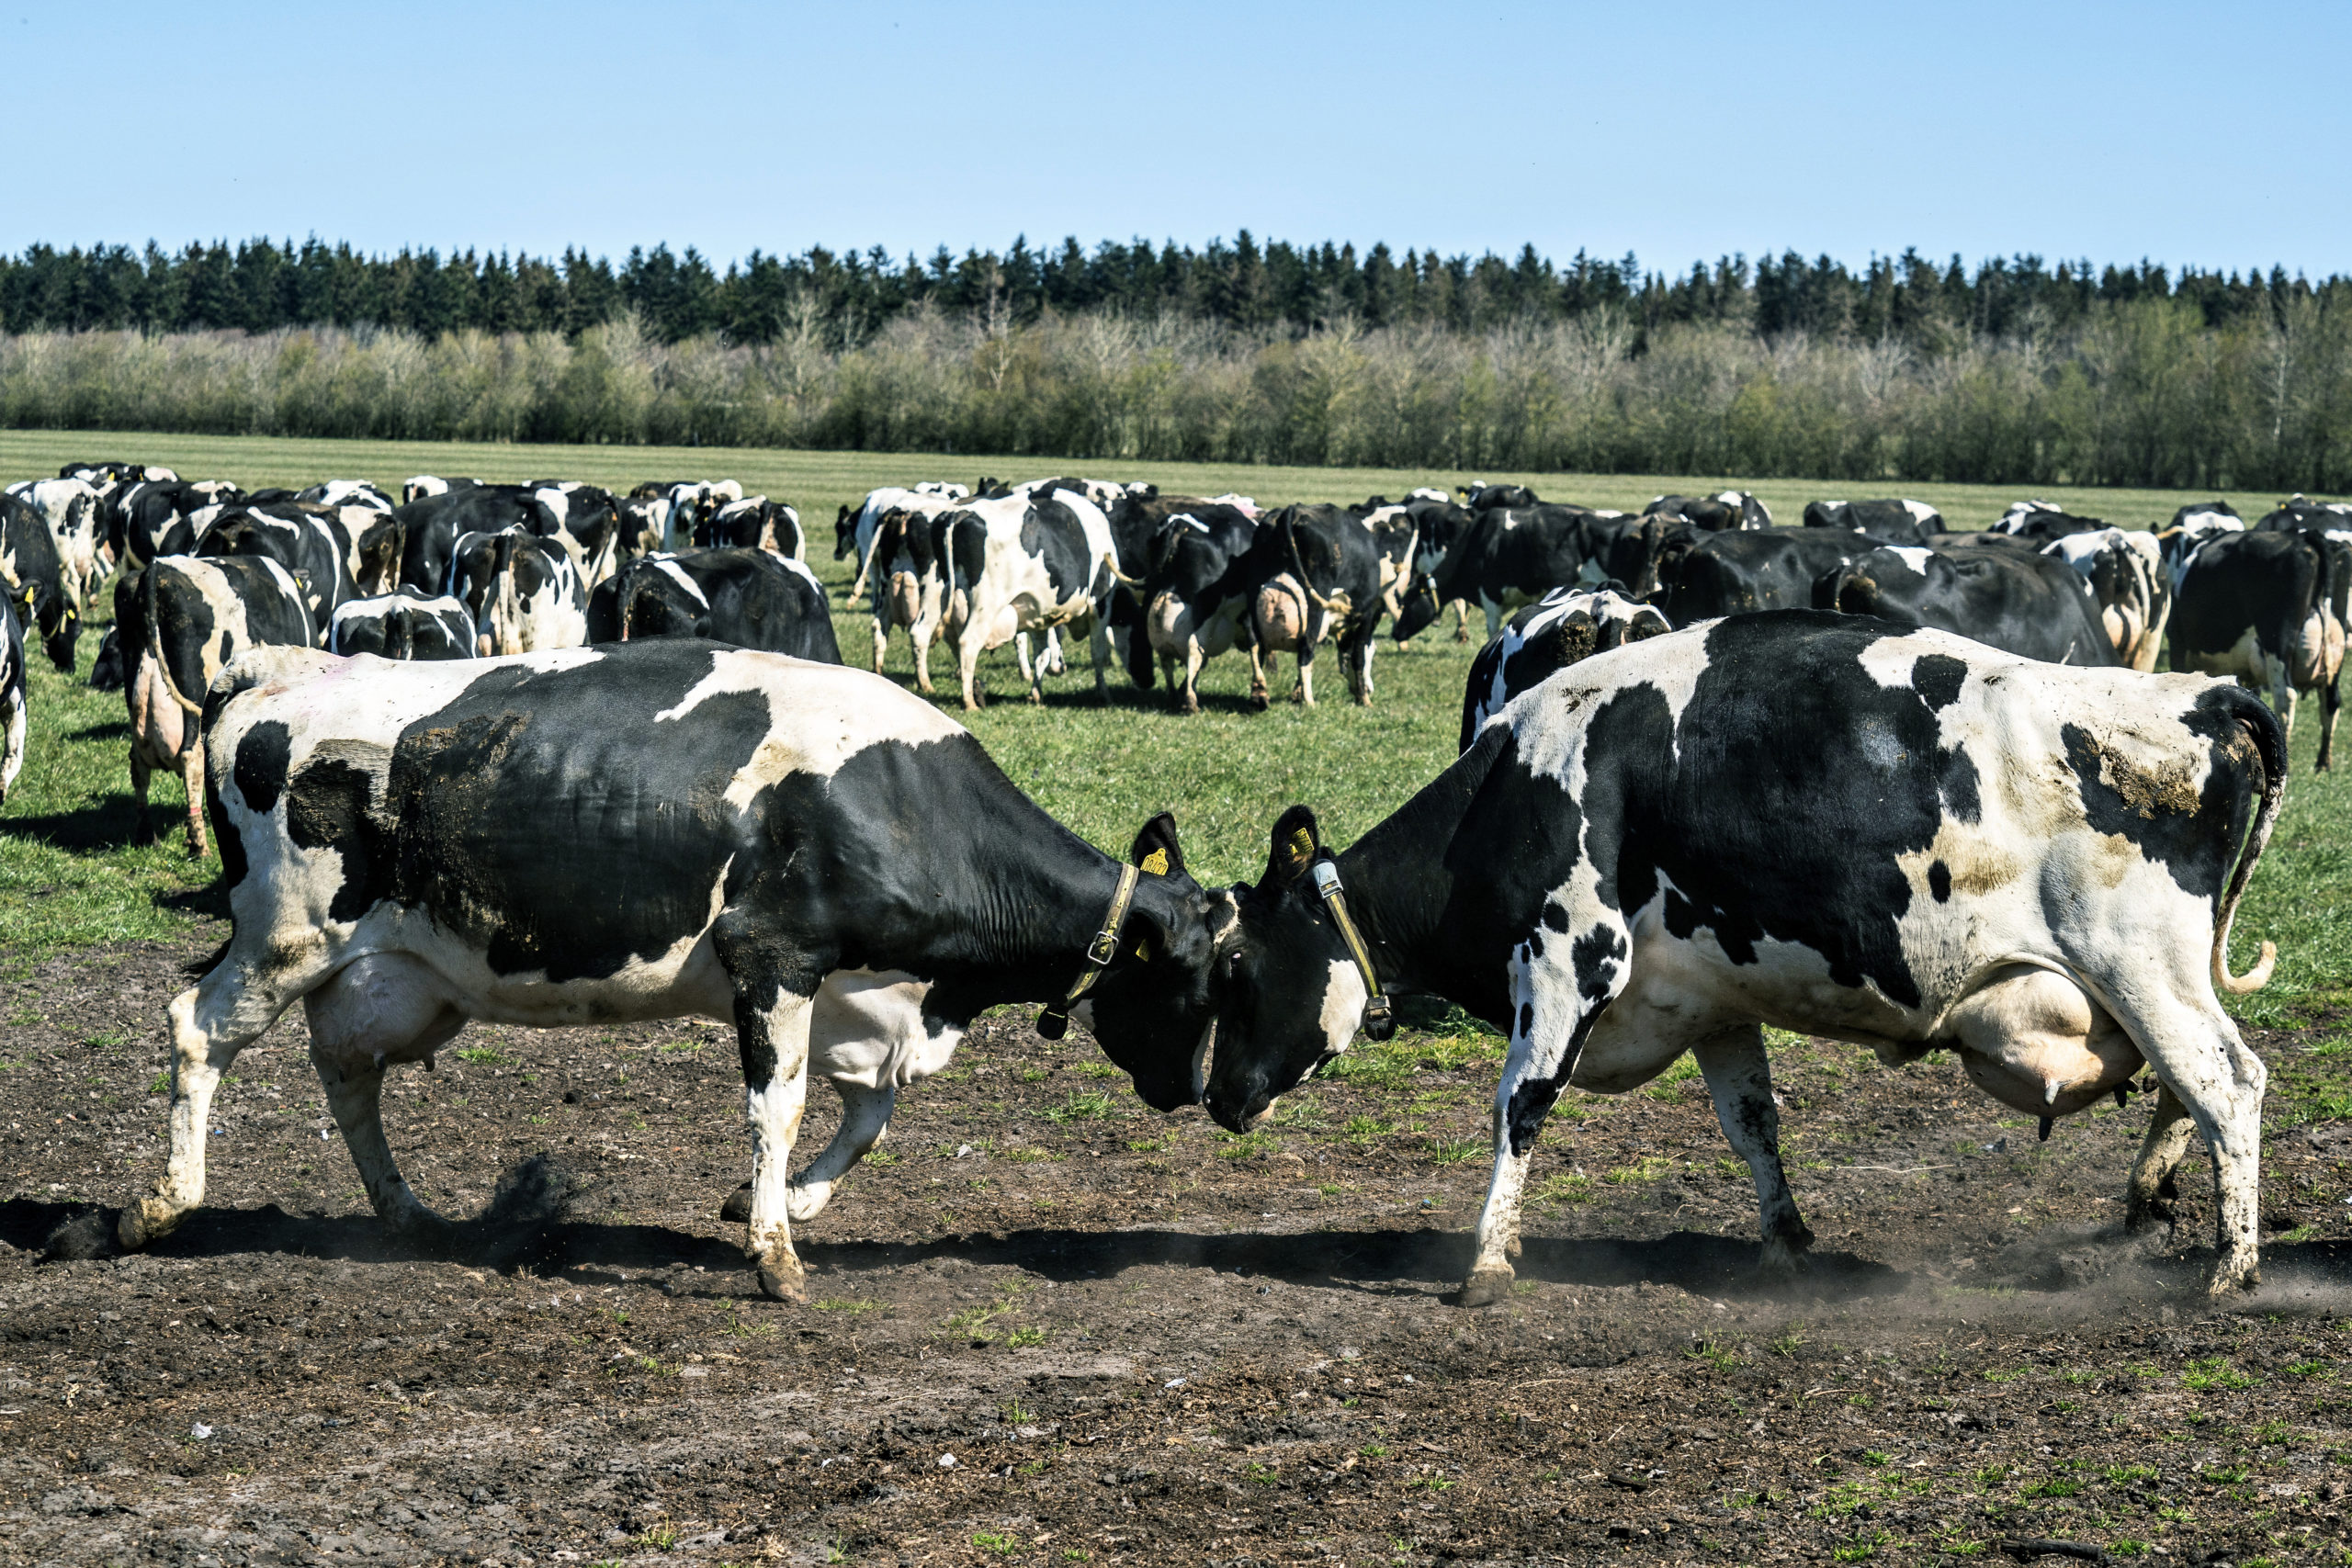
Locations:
(846, 298)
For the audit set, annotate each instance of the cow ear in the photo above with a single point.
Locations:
(1297, 842)
(1155, 849)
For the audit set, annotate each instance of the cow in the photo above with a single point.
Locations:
(1201, 574)
(347, 492)
(1035, 559)
(806, 850)
(2270, 609)
(755, 522)
(1731, 508)
(585, 521)
(1508, 557)
(75, 518)
(749, 597)
(110, 478)
(1438, 524)
(2301, 512)
(2033, 605)
(432, 524)
(1896, 522)
(403, 623)
(105, 670)
(35, 580)
(2211, 514)
(423, 485)
(899, 565)
(1478, 495)
(1324, 582)
(691, 501)
(2041, 522)
(521, 592)
(645, 526)
(307, 542)
(2128, 578)
(1739, 571)
(12, 692)
(1901, 839)
(180, 621)
(1565, 625)
(164, 517)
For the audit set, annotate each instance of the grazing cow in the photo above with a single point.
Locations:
(899, 562)
(12, 694)
(164, 517)
(347, 492)
(424, 485)
(2301, 512)
(2041, 522)
(521, 593)
(1730, 509)
(1507, 556)
(1478, 495)
(35, 580)
(2218, 514)
(105, 670)
(1324, 582)
(75, 517)
(749, 597)
(1566, 625)
(432, 524)
(1201, 576)
(645, 830)
(2128, 578)
(755, 522)
(645, 526)
(1740, 571)
(1019, 562)
(311, 543)
(691, 501)
(2268, 609)
(582, 519)
(2031, 605)
(1905, 839)
(403, 623)
(853, 526)
(181, 620)
(1894, 521)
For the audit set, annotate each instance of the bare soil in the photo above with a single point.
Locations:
(1054, 1327)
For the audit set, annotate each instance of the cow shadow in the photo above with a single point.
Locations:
(119, 729)
(111, 824)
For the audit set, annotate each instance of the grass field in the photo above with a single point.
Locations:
(68, 875)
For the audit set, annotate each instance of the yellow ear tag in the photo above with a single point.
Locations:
(1156, 863)
(1302, 847)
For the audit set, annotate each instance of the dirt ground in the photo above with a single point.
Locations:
(1050, 1326)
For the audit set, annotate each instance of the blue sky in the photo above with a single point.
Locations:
(2211, 135)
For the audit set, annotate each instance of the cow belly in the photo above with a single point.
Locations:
(159, 727)
(2035, 1041)
(2319, 650)
(868, 1031)
(906, 598)
(2243, 660)
(1279, 619)
(1172, 626)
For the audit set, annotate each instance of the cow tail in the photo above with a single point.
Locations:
(2269, 738)
(1306, 583)
(156, 645)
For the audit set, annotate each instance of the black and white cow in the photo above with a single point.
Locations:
(1728, 508)
(2209, 513)
(1896, 522)
(2041, 522)
(1034, 558)
(807, 852)
(432, 524)
(521, 591)
(347, 492)
(1202, 574)
(2302, 511)
(2269, 608)
(692, 501)
(749, 597)
(1740, 571)
(1903, 840)
(2128, 578)
(2033, 606)
(178, 623)
(586, 522)
(76, 519)
(303, 541)
(754, 523)
(853, 526)
(1567, 624)
(35, 579)
(109, 478)
(423, 485)
(403, 623)
(12, 694)
(1508, 557)
(164, 517)
(1478, 495)
(1325, 582)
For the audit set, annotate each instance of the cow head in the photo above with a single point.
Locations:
(845, 531)
(1153, 1007)
(1289, 996)
(1418, 608)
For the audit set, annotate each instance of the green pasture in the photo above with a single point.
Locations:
(68, 875)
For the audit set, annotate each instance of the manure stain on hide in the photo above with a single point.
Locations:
(2166, 787)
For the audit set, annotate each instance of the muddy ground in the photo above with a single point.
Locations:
(1055, 1327)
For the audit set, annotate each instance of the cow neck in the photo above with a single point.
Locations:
(1043, 912)
(1398, 885)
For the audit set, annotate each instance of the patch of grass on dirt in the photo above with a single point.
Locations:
(1248, 1146)
(2215, 1372)
(1083, 1105)
(1565, 1190)
(1668, 1084)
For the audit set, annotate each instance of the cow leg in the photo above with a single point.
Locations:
(1553, 1014)
(143, 828)
(1739, 1079)
(192, 779)
(2161, 1153)
(2196, 1054)
(1260, 697)
(865, 1120)
(212, 1021)
(1494, 616)
(1461, 620)
(2327, 700)
(1049, 660)
(385, 1006)
(1304, 693)
(881, 642)
(967, 670)
(1195, 658)
(1020, 653)
(774, 1001)
(1098, 647)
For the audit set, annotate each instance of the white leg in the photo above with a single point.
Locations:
(774, 1041)
(2196, 1054)
(355, 1099)
(1020, 653)
(2161, 1152)
(865, 1122)
(1739, 1079)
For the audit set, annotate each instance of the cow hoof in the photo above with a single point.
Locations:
(737, 1210)
(196, 851)
(2232, 1281)
(1514, 1247)
(783, 1279)
(1485, 1287)
(1036, 697)
(149, 1219)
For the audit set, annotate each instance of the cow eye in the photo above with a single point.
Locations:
(1233, 962)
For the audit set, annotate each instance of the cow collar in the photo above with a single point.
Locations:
(1053, 1022)
(1379, 1017)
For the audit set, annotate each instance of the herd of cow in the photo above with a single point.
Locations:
(1863, 779)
